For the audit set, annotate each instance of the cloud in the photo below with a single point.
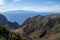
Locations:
(54, 8)
(50, 2)
(5, 6)
(17, 0)
(2, 2)
(13, 2)
(51, 8)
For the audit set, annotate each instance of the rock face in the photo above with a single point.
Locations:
(5, 22)
(42, 27)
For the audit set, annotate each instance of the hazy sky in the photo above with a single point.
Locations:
(30, 5)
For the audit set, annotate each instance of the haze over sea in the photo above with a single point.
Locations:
(28, 5)
(20, 18)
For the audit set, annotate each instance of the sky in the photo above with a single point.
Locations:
(30, 5)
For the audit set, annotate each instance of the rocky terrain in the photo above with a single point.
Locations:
(41, 27)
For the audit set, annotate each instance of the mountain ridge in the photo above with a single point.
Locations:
(7, 23)
(34, 28)
(41, 27)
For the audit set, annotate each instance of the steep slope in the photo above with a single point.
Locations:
(8, 24)
(41, 27)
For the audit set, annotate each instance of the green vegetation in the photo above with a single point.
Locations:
(2, 38)
(7, 35)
